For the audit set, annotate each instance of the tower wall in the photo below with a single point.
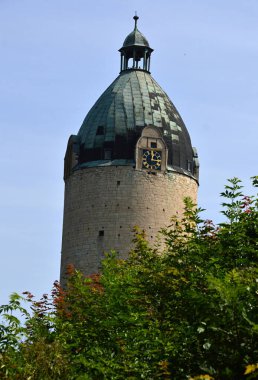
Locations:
(103, 204)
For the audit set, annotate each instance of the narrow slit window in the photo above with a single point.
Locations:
(189, 166)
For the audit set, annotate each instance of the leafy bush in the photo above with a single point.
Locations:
(188, 313)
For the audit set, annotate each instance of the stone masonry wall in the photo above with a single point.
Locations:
(102, 204)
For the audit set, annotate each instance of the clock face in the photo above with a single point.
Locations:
(151, 159)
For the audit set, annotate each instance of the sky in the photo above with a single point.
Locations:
(57, 57)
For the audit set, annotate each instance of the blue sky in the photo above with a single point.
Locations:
(57, 57)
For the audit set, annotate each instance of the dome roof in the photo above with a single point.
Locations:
(135, 38)
(133, 101)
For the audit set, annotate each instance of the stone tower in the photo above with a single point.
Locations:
(131, 163)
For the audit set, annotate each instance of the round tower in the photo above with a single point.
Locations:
(131, 163)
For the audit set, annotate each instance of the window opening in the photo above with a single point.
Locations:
(189, 166)
(100, 130)
(107, 154)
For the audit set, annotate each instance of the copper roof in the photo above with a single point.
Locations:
(136, 38)
(133, 101)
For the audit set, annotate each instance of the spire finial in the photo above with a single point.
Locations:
(135, 20)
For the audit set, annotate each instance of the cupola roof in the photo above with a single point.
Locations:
(136, 37)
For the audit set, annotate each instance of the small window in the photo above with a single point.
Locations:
(101, 233)
(107, 154)
(100, 130)
(189, 166)
(153, 145)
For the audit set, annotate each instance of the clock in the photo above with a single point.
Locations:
(151, 159)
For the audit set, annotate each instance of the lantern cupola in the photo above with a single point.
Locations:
(136, 51)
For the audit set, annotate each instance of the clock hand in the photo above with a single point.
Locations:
(156, 160)
(152, 157)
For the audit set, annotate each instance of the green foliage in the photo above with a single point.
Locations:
(188, 313)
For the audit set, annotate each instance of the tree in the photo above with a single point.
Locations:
(190, 312)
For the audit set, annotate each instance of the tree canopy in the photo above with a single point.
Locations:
(190, 312)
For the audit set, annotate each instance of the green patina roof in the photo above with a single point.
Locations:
(133, 101)
(135, 38)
